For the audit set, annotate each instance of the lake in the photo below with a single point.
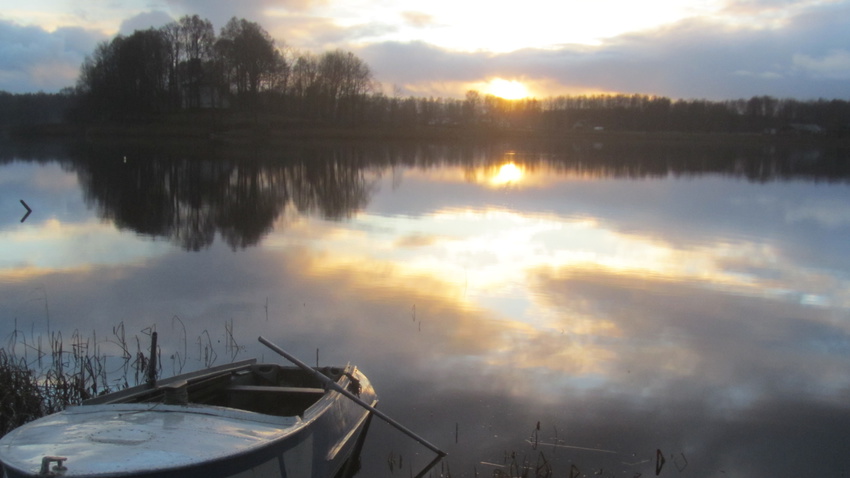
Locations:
(588, 307)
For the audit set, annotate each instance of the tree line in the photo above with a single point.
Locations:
(185, 65)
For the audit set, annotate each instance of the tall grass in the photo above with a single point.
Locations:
(43, 376)
(26, 396)
(21, 399)
(40, 375)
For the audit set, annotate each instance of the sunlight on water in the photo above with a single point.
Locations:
(508, 173)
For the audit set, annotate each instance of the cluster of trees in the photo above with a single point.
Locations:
(186, 65)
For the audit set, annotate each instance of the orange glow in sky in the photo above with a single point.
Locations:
(507, 89)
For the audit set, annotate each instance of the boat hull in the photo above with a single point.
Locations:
(147, 440)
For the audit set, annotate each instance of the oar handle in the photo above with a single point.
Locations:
(351, 396)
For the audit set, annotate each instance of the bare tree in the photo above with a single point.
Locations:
(198, 38)
(345, 80)
(173, 50)
(304, 83)
(248, 55)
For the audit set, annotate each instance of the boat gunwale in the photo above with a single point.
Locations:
(139, 390)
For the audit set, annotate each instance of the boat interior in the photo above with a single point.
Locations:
(270, 389)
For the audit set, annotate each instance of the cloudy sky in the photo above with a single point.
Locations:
(714, 49)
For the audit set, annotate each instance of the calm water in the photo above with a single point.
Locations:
(577, 306)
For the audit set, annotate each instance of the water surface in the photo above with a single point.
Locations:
(580, 306)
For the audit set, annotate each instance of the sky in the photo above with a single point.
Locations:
(682, 49)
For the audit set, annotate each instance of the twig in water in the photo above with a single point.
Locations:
(391, 461)
(559, 445)
(209, 355)
(230, 344)
(659, 461)
(535, 434)
(180, 361)
(544, 469)
(118, 332)
(676, 462)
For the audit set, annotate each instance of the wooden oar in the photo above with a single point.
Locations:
(330, 383)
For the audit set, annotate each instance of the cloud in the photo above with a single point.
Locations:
(33, 59)
(695, 58)
(268, 13)
(205, 7)
(767, 75)
(220, 11)
(144, 21)
(834, 65)
(417, 19)
(415, 62)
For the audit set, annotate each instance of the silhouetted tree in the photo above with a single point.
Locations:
(248, 57)
(304, 85)
(345, 80)
(198, 39)
(143, 72)
(471, 107)
(174, 54)
(127, 77)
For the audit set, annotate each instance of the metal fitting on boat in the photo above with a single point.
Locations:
(176, 393)
(45, 465)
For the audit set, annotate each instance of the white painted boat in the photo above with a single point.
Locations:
(238, 420)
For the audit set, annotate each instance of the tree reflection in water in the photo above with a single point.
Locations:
(190, 200)
(188, 194)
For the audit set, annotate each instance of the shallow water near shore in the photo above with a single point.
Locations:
(594, 308)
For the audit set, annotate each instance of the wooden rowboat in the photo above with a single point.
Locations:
(238, 420)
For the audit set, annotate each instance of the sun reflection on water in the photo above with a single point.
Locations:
(508, 173)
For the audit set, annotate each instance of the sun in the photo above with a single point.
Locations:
(507, 89)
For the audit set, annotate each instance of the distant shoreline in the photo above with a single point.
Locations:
(242, 128)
